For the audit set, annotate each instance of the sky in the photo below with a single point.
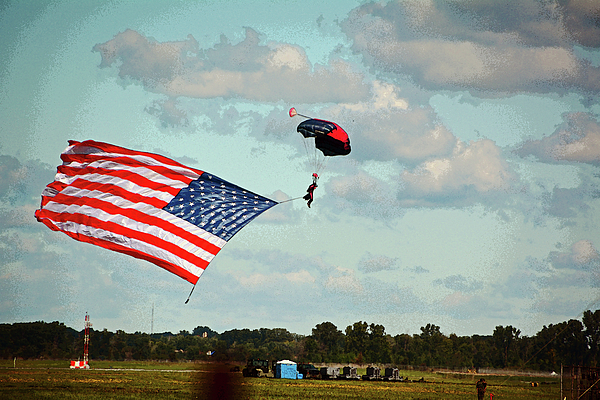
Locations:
(470, 200)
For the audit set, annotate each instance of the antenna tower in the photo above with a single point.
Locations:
(86, 339)
(86, 346)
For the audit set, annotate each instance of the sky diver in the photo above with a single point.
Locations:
(329, 138)
(311, 189)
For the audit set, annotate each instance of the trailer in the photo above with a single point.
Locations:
(392, 374)
(373, 374)
(330, 372)
(349, 373)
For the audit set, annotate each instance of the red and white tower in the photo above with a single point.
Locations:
(86, 346)
(86, 339)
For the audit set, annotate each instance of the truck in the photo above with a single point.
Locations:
(256, 368)
(309, 371)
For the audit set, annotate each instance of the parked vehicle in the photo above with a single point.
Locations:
(256, 368)
(309, 371)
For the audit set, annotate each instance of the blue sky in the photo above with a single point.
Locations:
(470, 199)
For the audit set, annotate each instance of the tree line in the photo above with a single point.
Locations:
(568, 343)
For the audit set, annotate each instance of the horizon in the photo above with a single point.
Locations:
(342, 329)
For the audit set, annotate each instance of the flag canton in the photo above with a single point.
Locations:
(217, 206)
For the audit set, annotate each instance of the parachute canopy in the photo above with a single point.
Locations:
(330, 138)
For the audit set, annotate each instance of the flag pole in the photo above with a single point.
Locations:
(189, 295)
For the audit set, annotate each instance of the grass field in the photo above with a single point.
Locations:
(153, 380)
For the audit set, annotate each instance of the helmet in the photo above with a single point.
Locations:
(315, 175)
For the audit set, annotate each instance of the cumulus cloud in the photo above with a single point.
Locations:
(473, 173)
(573, 269)
(459, 283)
(581, 255)
(282, 213)
(480, 46)
(260, 281)
(418, 269)
(169, 113)
(385, 96)
(376, 263)
(566, 203)
(345, 282)
(477, 169)
(581, 21)
(381, 131)
(365, 195)
(577, 139)
(249, 70)
(12, 176)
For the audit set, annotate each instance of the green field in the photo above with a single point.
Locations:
(154, 380)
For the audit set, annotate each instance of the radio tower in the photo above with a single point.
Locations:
(86, 346)
(86, 339)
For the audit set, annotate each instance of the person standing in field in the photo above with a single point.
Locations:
(481, 386)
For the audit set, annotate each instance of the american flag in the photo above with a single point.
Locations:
(146, 205)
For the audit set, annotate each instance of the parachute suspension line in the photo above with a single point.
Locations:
(322, 164)
(316, 158)
(306, 149)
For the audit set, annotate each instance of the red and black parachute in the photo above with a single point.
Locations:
(328, 136)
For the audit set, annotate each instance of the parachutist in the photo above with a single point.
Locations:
(310, 190)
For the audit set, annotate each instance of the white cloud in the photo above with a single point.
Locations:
(582, 255)
(376, 263)
(384, 98)
(248, 69)
(344, 281)
(365, 195)
(525, 46)
(459, 283)
(578, 139)
(281, 213)
(479, 166)
(302, 276)
(409, 135)
(274, 279)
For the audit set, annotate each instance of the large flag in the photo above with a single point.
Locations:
(146, 205)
